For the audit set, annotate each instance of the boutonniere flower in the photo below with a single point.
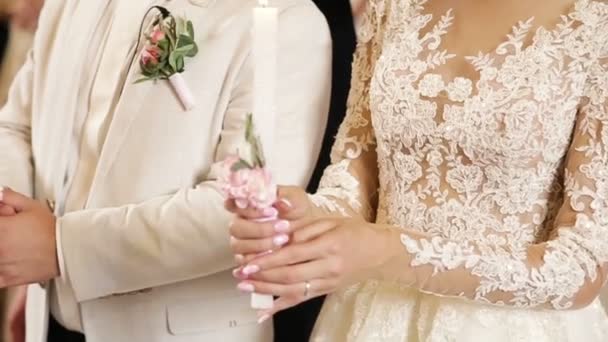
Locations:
(168, 45)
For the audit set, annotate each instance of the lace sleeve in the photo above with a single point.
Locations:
(565, 272)
(349, 185)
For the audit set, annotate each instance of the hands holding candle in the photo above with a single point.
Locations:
(322, 254)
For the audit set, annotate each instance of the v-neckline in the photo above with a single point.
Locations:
(511, 46)
(525, 24)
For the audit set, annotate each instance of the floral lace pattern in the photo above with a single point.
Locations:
(507, 176)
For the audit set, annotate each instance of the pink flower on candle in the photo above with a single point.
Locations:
(227, 165)
(261, 190)
(248, 187)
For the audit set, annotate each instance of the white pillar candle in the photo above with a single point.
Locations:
(265, 49)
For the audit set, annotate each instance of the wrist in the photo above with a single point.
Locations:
(314, 210)
(381, 250)
(324, 206)
(393, 256)
(53, 268)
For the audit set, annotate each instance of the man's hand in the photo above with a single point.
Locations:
(28, 252)
(15, 318)
(14, 324)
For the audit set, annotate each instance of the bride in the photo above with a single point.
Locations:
(468, 196)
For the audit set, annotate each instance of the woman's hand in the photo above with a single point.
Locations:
(322, 255)
(252, 235)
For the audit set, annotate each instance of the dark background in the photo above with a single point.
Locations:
(3, 37)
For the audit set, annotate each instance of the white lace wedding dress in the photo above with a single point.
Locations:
(499, 183)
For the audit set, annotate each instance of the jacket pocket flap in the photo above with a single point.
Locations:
(226, 310)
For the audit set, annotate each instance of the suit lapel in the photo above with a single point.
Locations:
(132, 99)
(64, 99)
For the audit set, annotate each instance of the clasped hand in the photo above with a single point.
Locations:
(27, 247)
(302, 255)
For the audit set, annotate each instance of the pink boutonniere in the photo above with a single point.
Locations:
(168, 45)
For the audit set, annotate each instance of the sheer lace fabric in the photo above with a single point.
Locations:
(499, 184)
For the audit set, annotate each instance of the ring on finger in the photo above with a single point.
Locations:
(307, 289)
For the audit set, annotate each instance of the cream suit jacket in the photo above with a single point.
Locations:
(147, 258)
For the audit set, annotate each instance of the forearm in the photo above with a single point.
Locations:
(164, 240)
(16, 169)
(556, 275)
(347, 189)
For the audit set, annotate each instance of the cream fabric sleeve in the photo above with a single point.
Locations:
(349, 185)
(565, 272)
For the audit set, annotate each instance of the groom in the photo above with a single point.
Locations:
(112, 211)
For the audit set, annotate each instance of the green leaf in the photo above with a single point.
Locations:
(193, 52)
(249, 127)
(190, 29)
(173, 61)
(254, 141)
(171, 33)
(163, 45)
(180, 64)
(164, 57)
(241, 165)
(259, 155)
(184, 49)
(171, 40)
(184, 40)
(142, 80)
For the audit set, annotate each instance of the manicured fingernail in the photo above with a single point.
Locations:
(237, 273)
(245, 287)
(1, 193)
(232, 240)
(286, 203)
(280, 240)
(281, 226)
(270, 212)
(241, 204)
(251, 269)
(263, 318)
(239, 258)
